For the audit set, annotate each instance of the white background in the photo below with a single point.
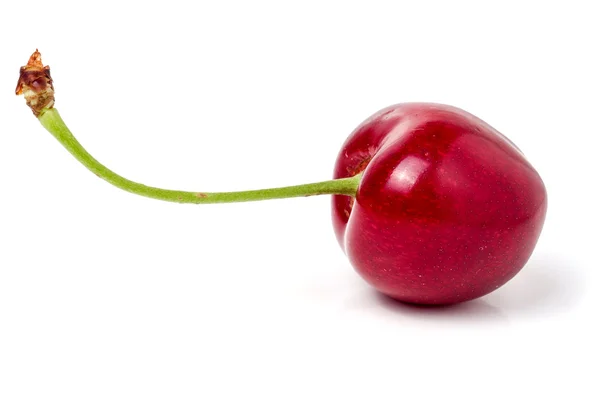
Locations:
(106, 295)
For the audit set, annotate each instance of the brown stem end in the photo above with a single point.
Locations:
(35, 83)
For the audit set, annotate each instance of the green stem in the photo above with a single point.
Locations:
(52, 121)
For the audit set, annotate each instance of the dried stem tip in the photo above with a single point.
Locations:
(35, 84)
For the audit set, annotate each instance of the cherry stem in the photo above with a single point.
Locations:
(52, 121)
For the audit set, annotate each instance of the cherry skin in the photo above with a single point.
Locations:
(447, 209)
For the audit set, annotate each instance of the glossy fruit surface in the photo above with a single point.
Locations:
(448, 209)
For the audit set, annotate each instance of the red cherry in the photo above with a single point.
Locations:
(438, 207)
(447, 210)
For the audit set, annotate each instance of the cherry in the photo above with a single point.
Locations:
(431, 204)
(447, 209)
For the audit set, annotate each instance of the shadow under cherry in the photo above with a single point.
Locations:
(546, 285)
